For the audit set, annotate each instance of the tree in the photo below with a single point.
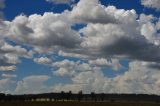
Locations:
(69, 96)
(93, 96)
(102, 96)
(62, 95)
(80, 94)
(2, 96)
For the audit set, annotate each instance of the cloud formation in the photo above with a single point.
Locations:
(44, 31)
(113, 63)
(118, 40)
(94, 12)
(7, 68)
(138, 79)
(10, 56)
(127, 39)
(155, 4)
(43, 60)
(71, 68)
(32, 85)
(9, 76)
(6, 85)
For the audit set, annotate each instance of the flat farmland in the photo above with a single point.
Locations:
(69, 103)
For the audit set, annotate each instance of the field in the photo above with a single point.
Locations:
(76, 104)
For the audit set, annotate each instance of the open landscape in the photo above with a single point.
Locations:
(69, 99)
(69, 103)
(79, 52)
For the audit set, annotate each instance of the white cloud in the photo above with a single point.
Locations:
(10, 55)
(12, 59)
(84, 81)
(16, 50)
(6, 85)
(43, 60)
(119, 41)
(150, 29)
(158, 25)
(71, 68)
(47, 31)
(75, 88)
(32, 84)
(126, 39)
(94, 12)
(151, 4)
(7, 68)
(63, 72)
(9, 75)
(138, 79)
(76, 55)
(113, 63)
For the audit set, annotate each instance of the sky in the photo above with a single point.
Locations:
(102, 46)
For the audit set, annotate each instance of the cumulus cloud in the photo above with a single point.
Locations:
(151, 4)
(6, 85)
(119, 40)
(48, 30)
(32, 84)
(83, 81)
(3, 61)
(71, 68)
(15, 50)
(43, 60)
(126, 39)
(113, 63)
(9, 55)
(7, 68)
(9, 75)
(94, 12)
(138, 79)
(75, 55)
(150, 29)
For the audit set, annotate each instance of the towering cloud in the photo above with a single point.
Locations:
(6, 85)
(32, 84)
(138, 79)
(94, 12)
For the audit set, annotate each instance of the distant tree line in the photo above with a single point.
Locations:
(69, 96)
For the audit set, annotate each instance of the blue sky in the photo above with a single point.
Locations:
(29, 7)
(109, 46)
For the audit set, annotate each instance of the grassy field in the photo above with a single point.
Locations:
(76, 104)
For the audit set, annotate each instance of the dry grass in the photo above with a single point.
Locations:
(76, 104)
